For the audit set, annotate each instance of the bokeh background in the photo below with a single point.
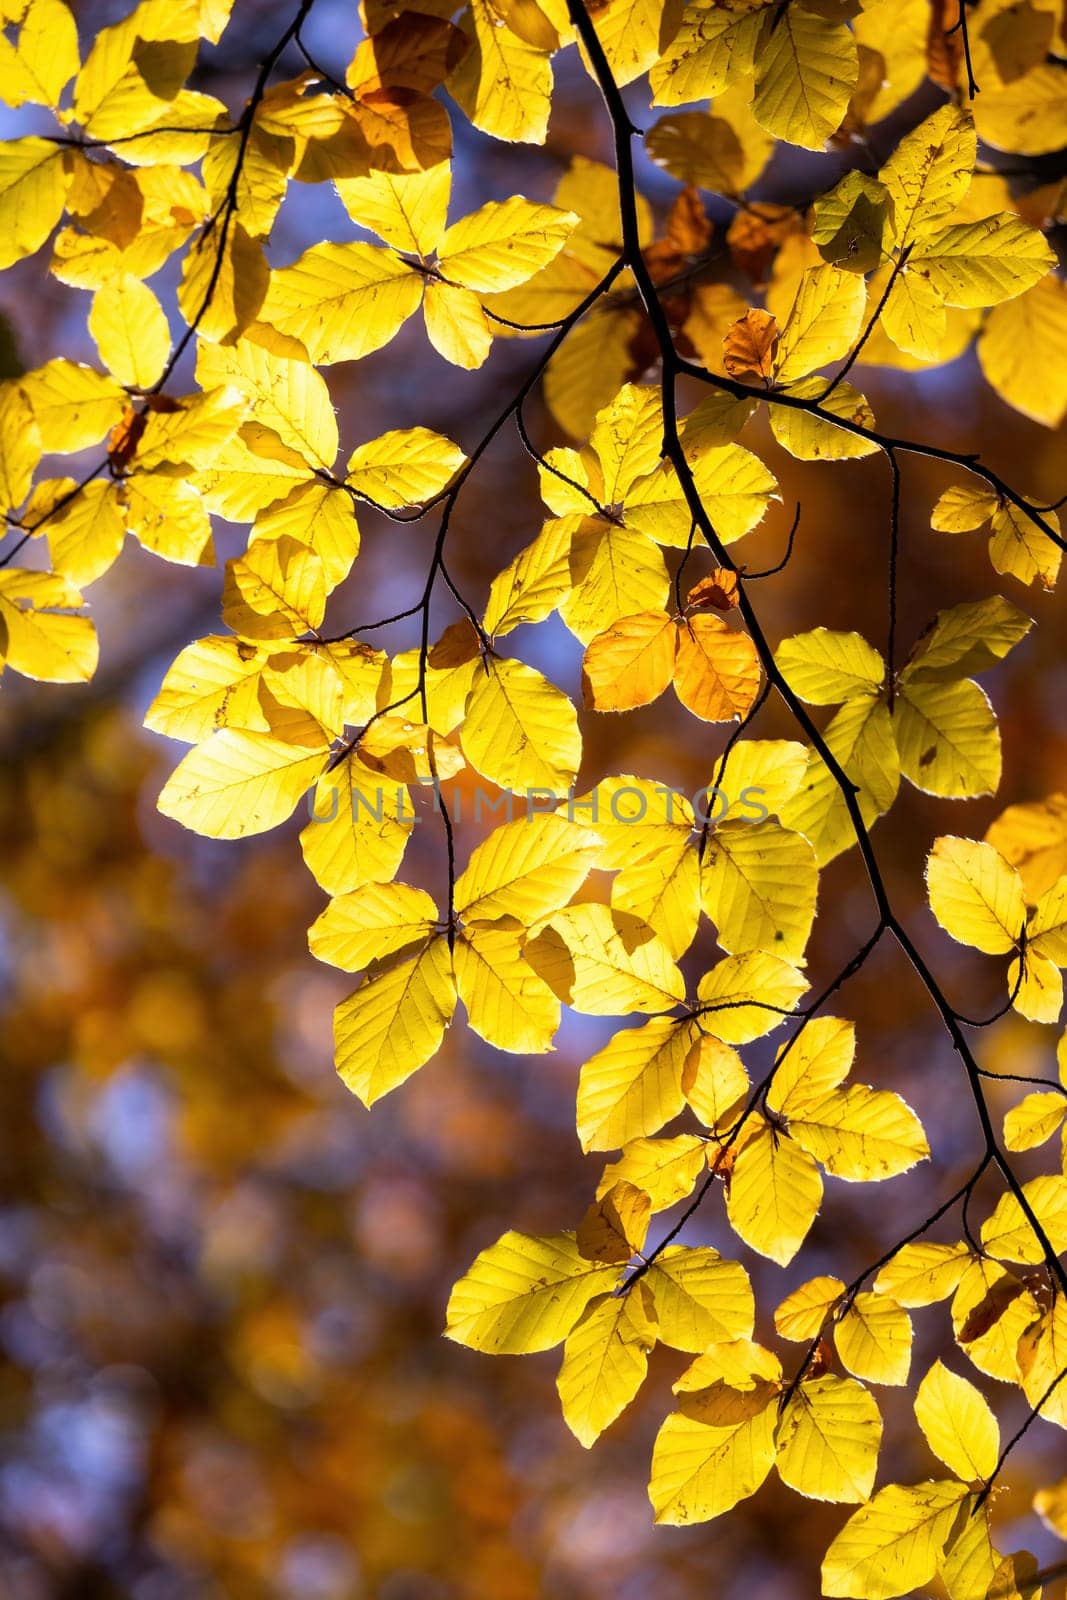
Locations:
(222, 1282)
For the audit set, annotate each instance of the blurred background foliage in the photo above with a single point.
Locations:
(222, 1282)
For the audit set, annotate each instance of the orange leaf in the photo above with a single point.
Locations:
(630, 663)
(718, 674)
(750, 346)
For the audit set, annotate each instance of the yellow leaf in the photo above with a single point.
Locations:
(45, 56)
(358, 830)
(824, 322)
(920, 1274)
(775, 1192)
(633, 1085)
(1008, 1235)
(806, 68)
(700, 1298)
(615, 572)
(529, 588)
(963, 508)
(717, 676)
(812, 438)
(929, 172)
(967, 639)
(213, 683)
(321, 517)
(404, 467)
(34, 179)
(873, 1339)
(958, 1424)
(20, 447)
(766, 772)
(1034, 1120)
(1047, 931)
(1033, 838)
(406, 209)
(615, 1226)
(520, 731)
(507, 1003)
(37, 641)
(713, 48)
(664, 891)
(630, 32)
(605, 962)
(828, 1439)
(73, 406)
(748, 995)
(1027, 116)
(715, 1083)
(758, 884)
(983, 263)
(666, 1169)
(456, 325)
(975, 895)
(503, 243)
(276, 590)
(238, 783)
(948, 739)
(1038, 993)
(892, 1545)
(738, 1363)
(342, 300)
(526, 869)
(861, 739)
(802, 1314)
(169, 517)
(824, 667)
(991, 1310)
(605, 1359)
(130, 331)
(1043, 1361)
(1051, 1506)
(502, 83)
(861, 1134)
(631, 663)
(851, 221)
(809, 1068)
(1018, 547)
(734, 487)
(252, 471)
(1011, 332)
(701, 1469)
(376, 921)
(524, 1294)
(394, 1022)
(596, 358)
(288, 396)
(192, 434)
(224, 284)
(112, 96)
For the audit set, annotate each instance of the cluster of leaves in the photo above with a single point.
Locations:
(903, 268)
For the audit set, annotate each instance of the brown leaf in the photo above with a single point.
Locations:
(124, 438)
(756, 233)
(750, 346)
(457, 645)
(944, 43)
(718, 592)
(821, 1361)
(990, 1308)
